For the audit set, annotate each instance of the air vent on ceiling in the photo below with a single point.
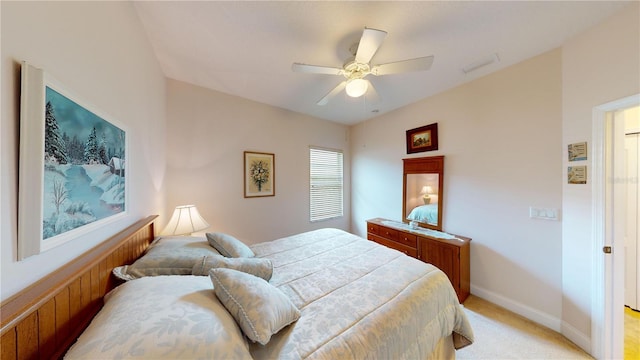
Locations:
(481, 63)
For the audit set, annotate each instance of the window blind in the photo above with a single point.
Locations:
(326, 182)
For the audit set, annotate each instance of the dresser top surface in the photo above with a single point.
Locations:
(439, 235)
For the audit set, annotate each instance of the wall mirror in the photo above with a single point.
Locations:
(422, 191)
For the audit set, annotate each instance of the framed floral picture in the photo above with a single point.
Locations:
(259, 174)
(424, 138)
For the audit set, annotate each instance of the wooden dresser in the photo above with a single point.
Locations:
(450, 253)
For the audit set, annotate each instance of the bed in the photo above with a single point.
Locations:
(329, 294)
(425, 213)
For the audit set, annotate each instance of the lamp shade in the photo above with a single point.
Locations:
(185, 220)
(426, 190)
(356, 87)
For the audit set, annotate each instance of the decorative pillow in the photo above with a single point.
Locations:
(229, 246)
(174, 255)
(162, 317)
(259, 308)
(262, 268)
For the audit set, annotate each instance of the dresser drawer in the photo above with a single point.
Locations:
(388, 233)
(413, 252)
(372, 228)
(407, 239)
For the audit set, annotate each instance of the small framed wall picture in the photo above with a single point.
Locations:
(578, 151)
(577, 174)
(424, 138)
(259, 174)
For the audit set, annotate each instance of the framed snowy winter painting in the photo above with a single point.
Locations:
(73, 173)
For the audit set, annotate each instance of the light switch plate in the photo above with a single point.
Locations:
(543, 213)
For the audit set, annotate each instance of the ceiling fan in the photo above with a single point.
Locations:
(358, 67)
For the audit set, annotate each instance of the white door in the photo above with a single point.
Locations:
(608, 197)
(632, 272)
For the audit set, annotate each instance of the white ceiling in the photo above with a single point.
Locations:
(247, 48)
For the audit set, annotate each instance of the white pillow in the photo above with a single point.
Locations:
(162, 317)
(258, 307)
(229, 246)
(174, 255)
(259, 267)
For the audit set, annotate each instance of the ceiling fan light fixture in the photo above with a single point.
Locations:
(356, 87)
(356, 68)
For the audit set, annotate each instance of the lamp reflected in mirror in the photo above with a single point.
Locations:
(425, 192)
(422, 200)
(422, 206)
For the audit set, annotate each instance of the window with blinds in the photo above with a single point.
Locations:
(325, 185)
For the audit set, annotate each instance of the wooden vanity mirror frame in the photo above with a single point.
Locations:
(424, 165)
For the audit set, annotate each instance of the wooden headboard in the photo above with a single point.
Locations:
(43, 320)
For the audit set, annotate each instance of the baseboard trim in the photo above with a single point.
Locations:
(530, 313)
(583, 341)
(574, 335)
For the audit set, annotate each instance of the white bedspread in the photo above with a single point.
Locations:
(357, 300)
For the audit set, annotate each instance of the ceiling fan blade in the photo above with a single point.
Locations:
(417, 64)
(372, 95)
(369, 43)
(314, 69)
(332, 93)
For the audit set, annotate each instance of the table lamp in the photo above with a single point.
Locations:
(185, 220)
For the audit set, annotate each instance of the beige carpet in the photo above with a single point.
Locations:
(501, 334)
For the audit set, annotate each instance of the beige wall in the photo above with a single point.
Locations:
(99, 52)
(598, 66)
(209, 131)
(501, 138)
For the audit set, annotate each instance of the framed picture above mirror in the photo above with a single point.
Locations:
(424, 138)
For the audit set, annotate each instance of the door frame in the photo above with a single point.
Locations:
(631, 244)
(607, 316)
